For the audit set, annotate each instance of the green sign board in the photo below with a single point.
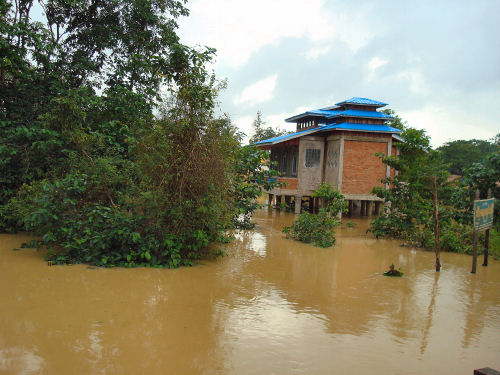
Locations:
(483, 214)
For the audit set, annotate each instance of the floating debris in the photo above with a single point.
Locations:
(393, 272)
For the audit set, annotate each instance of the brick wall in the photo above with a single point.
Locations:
(362, 169)
(292, 182)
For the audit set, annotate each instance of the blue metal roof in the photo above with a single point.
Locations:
(285, 137)
(358, 113)
(313, 112)
(398, 138)
(361, 127)
(330, 112)
(364, 101)
(342, 126)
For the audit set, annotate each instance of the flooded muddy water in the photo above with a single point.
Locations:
(270, 306)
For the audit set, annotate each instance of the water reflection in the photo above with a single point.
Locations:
(271, 305)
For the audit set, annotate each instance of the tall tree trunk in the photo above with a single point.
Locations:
(436, 224)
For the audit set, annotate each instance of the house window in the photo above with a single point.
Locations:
(294, 163)
(284, 165)
(312, 157)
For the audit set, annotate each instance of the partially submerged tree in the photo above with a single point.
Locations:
(422, 207)
(84, 162)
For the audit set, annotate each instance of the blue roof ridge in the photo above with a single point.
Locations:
(364, 101)
(343, 126)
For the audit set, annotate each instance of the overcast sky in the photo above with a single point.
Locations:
(437, 63)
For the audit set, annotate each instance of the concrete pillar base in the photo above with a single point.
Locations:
(369, 208)
(288, 201)
(298, 204)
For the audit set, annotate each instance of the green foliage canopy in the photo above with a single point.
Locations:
(85, 164)
(462, 154)
(409, 199)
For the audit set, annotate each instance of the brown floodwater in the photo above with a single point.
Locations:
(270, 306)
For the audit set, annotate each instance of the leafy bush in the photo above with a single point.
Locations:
(495, 243)
(457, 238)
(350, 224)
(333, 200)
(317, 229)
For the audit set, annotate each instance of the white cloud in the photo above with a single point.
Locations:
(375, 63)
(416, 81)
(277, 120)
(315, 52)
(447, 122)
(244, 123)
(239, 28)
(258, 92)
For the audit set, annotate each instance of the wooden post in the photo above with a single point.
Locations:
(486, 240)
(436, 224)
(474, 248)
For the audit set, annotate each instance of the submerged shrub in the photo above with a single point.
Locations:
(317, 229)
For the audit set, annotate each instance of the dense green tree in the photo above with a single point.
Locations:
(462, 154)
(410, 196)
(84, 162)
(419, 193)
(253, 172)
(396, 121)
(496, 139)
(124, 49)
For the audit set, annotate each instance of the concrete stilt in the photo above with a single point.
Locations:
(298, 204)
(351, 207)
(369, 208)
(363, 209)
(288, 201)
(377, 208)
(278, 202)
(311, 204)
(270, 200)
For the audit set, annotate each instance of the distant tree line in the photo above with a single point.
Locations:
(462, 154)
